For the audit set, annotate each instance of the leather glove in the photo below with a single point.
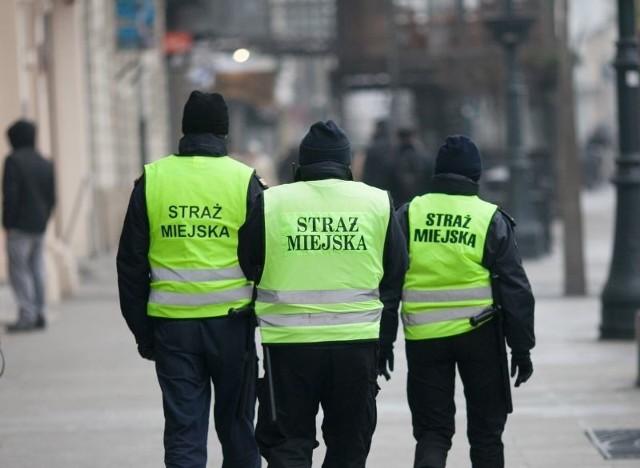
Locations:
(522, 365)
(147, 350)
(385, 358)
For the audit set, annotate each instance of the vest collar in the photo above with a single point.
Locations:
(454, 184)
(323, 170)
(202, 144)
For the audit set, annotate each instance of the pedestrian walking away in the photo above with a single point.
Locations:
(465, 292)
(378, 163)
(28, 189)
(411, 170)
(328, 258)
(178, 278)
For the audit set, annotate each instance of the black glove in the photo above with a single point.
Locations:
(521, 363)
(385, 358)
(147, 350)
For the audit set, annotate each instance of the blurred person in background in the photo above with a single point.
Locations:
(378, 157)
(286, 165)
(179, 280)
(263, 164)
(28, 188)
(412, 168)
(596, 158)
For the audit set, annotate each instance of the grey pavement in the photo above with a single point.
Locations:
(78, 395)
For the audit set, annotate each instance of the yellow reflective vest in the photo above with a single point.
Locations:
(446, 283)
(195, 205)
(324, 244)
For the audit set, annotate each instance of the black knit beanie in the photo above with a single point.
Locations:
(325, 141)
(22, 134)
(459, 155)
(205, 113)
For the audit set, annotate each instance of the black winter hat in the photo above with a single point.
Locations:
(22, 134)
(205, 113)
(459, 155)
(325, 141)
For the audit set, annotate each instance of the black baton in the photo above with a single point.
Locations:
(502, 346)
(242, 312)
(272, 397)
(486, 314)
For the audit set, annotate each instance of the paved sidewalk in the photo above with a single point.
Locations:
(78, 396)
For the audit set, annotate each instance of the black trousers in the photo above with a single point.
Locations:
(191, 355)
(430, 390)
(339, 377)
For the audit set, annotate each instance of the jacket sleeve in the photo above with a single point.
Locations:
(502, 258)
(10, 193)
(52, 187)
(403, 219)
(133, 267)
(257, 185)
(251, 245)
(396, 263)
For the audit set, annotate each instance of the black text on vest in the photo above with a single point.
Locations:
(186, 229)
(321, 233)
(446, 228)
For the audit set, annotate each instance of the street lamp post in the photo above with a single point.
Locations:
(511, 30)
(142, 118)
(621, 294)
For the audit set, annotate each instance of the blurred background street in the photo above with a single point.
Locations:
(530, 81)
(548, 89)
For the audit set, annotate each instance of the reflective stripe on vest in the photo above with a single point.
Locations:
(446, 283)
(187, 275)
(202, 299)
(315, 319)
(323, 262)
(317, 297)
(450, 295)
(441, 315)
(195, 205)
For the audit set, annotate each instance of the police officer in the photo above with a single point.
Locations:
(178, 277)
(328, 258)
(459, 248)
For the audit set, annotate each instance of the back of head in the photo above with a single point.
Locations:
(22, 134)
(459, 155)
(405, 133)
(381, 127)
(325, 141)
(205, 113)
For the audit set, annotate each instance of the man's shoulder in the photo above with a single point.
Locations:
(506, 216)
(261, 182)
(28, 157)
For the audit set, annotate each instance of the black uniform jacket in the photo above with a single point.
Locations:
(132, 262)
(251, 248)
(502, 258)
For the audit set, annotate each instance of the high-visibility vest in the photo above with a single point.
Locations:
(324, 244)
(195, 205)
(446, 283)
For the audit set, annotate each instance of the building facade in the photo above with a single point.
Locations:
(99, 107)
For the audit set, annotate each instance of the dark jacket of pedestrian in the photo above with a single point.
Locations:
(28, 183)
(178, 277)
(411, 171)
(379, 157)
(328, 259)
(464, 259)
